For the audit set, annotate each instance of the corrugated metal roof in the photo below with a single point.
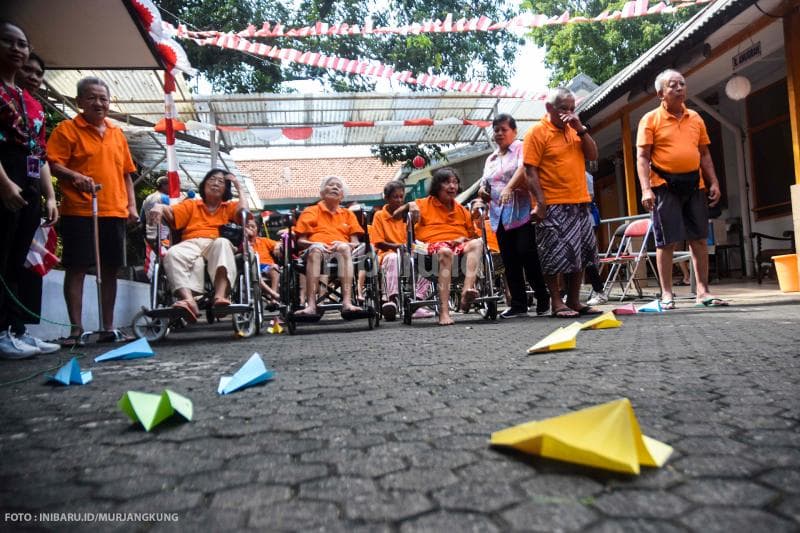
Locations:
(704, 22)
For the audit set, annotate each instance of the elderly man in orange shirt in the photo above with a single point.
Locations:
(554, 154)
(326, 229)
(672, 150)
(85, 152)
(447, 229)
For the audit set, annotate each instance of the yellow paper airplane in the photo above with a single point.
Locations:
(560, 339)
(604, 321)
(604, 436)
(275, 327)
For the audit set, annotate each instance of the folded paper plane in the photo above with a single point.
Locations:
(71, 374)
(132, 350)
(627, 309)
(604, 321)
(652, 307)
(152, 409)
(275, 326)
(252, 373)
(604, 436)
(560, 339)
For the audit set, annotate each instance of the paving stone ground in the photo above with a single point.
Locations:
(387, 430)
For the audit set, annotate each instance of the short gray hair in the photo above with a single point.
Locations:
(84, 83)
(661, 78)
(327, 180)
(558, 93)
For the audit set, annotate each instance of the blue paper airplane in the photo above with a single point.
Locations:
(132, 350)
(252, 373)
(652, 307)
(70, 374)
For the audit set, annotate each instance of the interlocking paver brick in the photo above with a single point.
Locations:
(388, 430)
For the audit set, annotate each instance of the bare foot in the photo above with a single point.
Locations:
(351, 309)
(445, 320)
(467, 297)
(307, 311)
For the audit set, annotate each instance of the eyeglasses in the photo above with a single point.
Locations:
(15, 43)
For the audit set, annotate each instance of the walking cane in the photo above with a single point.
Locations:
(118, 336)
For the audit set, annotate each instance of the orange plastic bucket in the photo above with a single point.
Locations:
(786, 268)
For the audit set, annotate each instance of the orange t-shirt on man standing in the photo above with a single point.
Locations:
(674, 141)
(558, 156)
(106, 159)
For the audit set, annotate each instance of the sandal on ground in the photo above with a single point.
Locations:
(668, 304)
(190, 316)
(712, 301)
(681, 283)
(565, 312)
(72, 341)
(114, 336)
(588, 310)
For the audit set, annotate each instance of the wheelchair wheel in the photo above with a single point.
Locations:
(152, 329)
(248, 323)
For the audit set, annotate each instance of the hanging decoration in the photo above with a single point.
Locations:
(631, 9)
(175, 62)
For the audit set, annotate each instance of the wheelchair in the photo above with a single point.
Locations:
(246, 309)
(329, 296)
(412, 263)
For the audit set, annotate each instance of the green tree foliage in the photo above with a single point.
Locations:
(597, 49)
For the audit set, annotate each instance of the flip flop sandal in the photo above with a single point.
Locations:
(587, 310)
(73, 341)
(189, 315)
(565, 313)
(712, 302)
(221, 302)
(668, 304)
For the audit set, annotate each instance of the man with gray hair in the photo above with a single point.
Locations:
(674, 166)
(554, 154)
(86, 152)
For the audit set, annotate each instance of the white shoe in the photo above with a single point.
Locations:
(13, 348)
(598, 299)
(44, 347)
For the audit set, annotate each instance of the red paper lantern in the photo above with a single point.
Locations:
(418, 161)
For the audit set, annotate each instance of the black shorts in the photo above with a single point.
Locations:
(77, 238)
(679, 217)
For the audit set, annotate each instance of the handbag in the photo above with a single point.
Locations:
(682, 184)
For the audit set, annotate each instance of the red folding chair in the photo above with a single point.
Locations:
(628, 258)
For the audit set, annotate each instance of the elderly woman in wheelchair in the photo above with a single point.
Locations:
(199, 221)
(447, 230)
(325, 231)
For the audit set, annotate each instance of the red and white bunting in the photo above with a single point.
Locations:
(356, 66)
(631, 9)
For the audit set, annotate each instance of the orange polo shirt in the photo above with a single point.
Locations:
(106, 159)
(195, 220)
(675, 141)
(264, 247)
(386, 228)
(439, 224)
(558, 156)
(321, 225)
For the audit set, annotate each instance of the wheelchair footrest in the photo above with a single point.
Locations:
(307, 319)
(231, 309)
(165, 312)
(357, 315)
